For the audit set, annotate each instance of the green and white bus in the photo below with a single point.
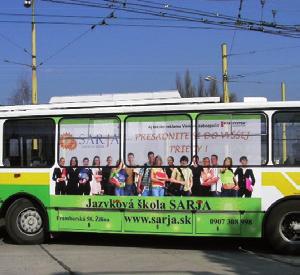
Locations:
(82, 164)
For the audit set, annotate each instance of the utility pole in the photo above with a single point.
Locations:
(34, 77)
(225, 73)
(284, 146)
(34, 92)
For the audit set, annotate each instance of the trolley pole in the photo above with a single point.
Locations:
(33, 36)
(225, 73)
(284, 145)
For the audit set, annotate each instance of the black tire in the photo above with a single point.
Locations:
(25, 222)
(274, 230)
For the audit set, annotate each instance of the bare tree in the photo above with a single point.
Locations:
(179, 85)
(233, 97)
(187, 89)
(213, 88)
(201, 88)
(22, 94)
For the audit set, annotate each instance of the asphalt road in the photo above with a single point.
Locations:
(116, 254)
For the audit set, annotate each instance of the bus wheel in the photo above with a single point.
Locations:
(25, 222)
(282, 227)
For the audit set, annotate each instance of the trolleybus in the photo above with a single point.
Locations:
(151, 163)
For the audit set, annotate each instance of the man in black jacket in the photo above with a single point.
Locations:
(59, 176)
(85, 177)
(244, 174)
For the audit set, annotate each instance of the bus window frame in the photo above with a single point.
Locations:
(273, 136)
(239, 112)
(32, 119)
(155, 114)
(88, 116)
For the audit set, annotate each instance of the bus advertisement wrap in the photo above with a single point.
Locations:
(176, 216)
(167, 136)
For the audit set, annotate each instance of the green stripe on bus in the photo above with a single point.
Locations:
(159, 118)
(87, 121)
(227, 116)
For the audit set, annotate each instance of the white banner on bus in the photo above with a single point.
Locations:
(230, 137)
(89, 138)
(164, 135)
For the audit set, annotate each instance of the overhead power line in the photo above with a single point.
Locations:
(188, 16)
(255, 73)
(119, 25)
(16, 63)
(78, 16)
(64, 47)
(77, 38)
(265, 50)
(237, 22)
(16, 45)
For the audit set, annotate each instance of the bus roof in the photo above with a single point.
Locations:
(163, 101)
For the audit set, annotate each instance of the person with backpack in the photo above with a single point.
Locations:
(158, 178)
(118, 178)
(130, 187)
(144, 179)
(169, 171)
(183, 176)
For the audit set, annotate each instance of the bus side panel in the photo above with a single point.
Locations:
(172, 216)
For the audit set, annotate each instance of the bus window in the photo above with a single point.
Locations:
(90, 138)
(233, 135)
(29, 143)
(164, 135)
(286, 138)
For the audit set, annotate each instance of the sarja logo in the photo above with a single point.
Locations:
(67, 141)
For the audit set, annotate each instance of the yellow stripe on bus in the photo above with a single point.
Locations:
(295, 176)
(25, 178)
(278, 180)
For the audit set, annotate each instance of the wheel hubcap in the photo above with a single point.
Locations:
(290, 227)
(30, 221)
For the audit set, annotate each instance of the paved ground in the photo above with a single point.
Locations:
(115, 254)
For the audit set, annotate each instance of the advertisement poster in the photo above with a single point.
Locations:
(87, 138)
(168, 135)
(230, 136)
(224, 135)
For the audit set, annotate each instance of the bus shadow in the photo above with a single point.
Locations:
(141, 272)
(161, 242)
(3, 234)
(233, 255)
(151, 241)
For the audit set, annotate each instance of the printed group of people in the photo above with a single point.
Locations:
(225, 182)
(205, 179)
